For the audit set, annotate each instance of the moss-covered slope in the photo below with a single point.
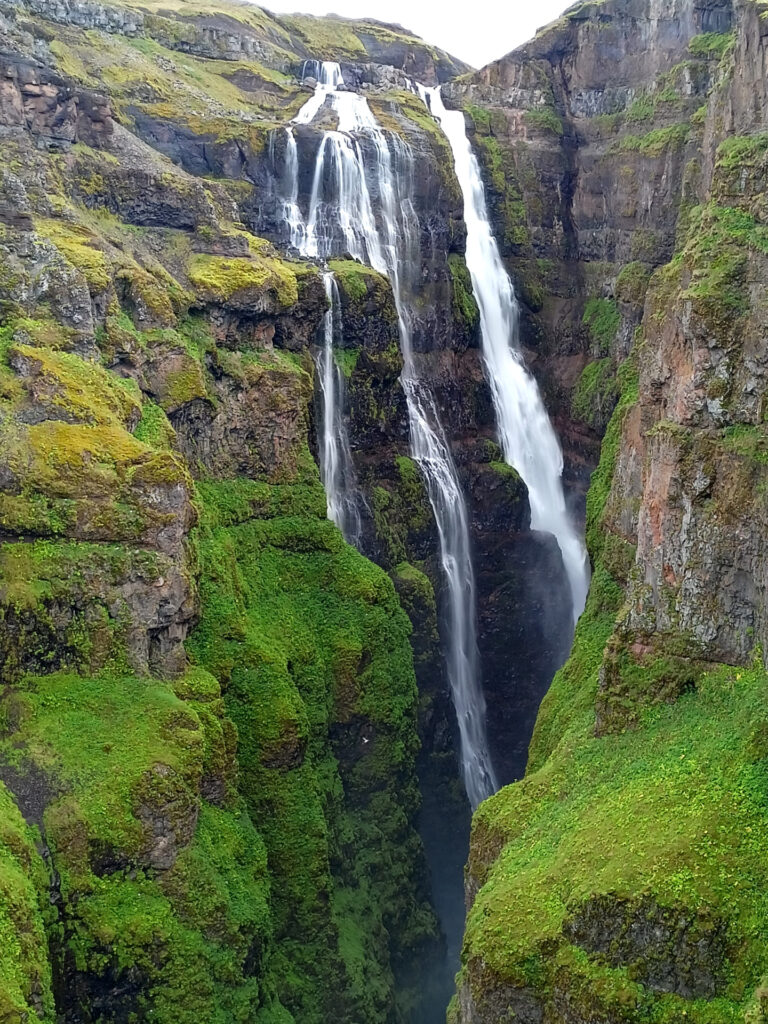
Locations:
(208, 714)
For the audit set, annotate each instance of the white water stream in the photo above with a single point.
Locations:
(336, 466)
(341, 218)
(528, 440)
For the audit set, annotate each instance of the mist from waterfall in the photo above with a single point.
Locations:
(341, 218)
(527, 437)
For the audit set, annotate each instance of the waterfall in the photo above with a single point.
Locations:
(336, 466)
(341, 218)
(297, 231)
(328, 78)
(527, 437)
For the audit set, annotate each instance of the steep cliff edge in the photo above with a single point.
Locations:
(208, 718)
(623, 879)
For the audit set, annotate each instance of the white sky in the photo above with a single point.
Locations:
(477, 31)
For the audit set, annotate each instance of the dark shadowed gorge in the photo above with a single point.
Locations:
(233, 781)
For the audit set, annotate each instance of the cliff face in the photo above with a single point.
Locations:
(587, 136)
(209, 711)
(621, 880)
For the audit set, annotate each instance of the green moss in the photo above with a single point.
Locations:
(61, 606)
(595, 393)
(221, 277)
(602, 478)
(346, 359)
(711, 45)
(501, 174)
(237, 501)
(674, 810)
(152, 294)
(357, 281)
(327, 38)
(154, 428)
(718, 241)
(655, 142)
(116, 750)
(25, 971)
(309, 638)
(747, 441)
(463, 302)
(603, 318)
(80, 248)
(402, 513)
(740, 151)
(544, 119)
(82, 390)
(184, 385)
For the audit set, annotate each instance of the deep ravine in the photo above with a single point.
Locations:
(320, 352)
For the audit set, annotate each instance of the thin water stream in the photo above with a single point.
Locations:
(527, 438)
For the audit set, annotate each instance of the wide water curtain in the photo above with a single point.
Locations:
(527, 437)
(341, 218)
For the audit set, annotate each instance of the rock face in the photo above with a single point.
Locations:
(597, 885)
(209, 709)
(587, 137)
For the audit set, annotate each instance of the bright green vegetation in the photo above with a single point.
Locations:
(711, 45)
(154, 428)
(464, 305)
(544, 119)
(747, 441)
(360, 283)
(25, 973)
(595, 392)
(673, 811)
(117, 752)
(346, 359)
(219, 277)
(603, 318)
(741, 151)
(402, 512)
(311, 643)
(654, 143)
(714, 256)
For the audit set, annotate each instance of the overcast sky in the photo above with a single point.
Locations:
(477, 31)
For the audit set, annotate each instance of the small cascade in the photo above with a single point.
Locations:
(527, 437)
(336, 466)
(291, 212)
(341, 218)
(328, 76)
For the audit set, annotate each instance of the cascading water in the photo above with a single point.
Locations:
(527, 437)
(341, 218)
(336, 466)
(291, 213)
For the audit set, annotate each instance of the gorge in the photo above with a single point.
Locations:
(320, 354)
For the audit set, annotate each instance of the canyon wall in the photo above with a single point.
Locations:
(209, 707)
(214, 710)
(623, 879)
